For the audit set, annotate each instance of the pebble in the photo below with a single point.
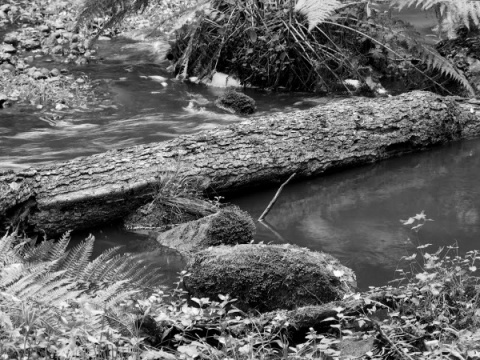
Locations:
(5, 57)
(57, 49)
(61, 107)
(8, 67)
(44, 28)
(38, 75)
(31, 44)
(8, 48)
(54, 72)
(11, 38)
(80, 81)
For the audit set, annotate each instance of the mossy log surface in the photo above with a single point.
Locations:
(90, 191)
(268, 277)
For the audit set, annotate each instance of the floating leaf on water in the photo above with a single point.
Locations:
(423, 246)
(410, 221)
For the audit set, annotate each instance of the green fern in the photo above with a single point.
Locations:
(317, 11)
(28, 270)
(49, 292)
(415, 48)
(451, 13)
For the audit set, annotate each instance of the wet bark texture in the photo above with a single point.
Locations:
(94, 190)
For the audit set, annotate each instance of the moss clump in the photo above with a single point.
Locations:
(231, 226)
(268, 277)
(236, 102)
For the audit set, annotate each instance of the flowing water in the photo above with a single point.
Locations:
(354, 215)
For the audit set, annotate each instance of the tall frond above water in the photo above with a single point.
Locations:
(317, 11)
(450, 13)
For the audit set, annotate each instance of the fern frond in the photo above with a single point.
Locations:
(451, 13)
(77, 258)
(317, 11)
(60, 247)
(92, 272)
(430, 57)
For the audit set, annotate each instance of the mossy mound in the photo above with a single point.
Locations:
(268, 277)
(236, 102)
(162, 215)
(229, 226)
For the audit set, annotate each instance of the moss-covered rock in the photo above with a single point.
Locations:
(236, 102)
(268, 277)
(229, 226)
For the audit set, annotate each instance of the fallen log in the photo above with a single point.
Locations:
(90, 191)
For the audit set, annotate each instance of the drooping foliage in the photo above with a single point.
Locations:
(451, 14)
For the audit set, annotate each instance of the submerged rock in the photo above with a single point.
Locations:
(268, 277)
(236, 102)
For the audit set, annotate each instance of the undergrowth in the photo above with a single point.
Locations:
(57, 304)
(308, 47)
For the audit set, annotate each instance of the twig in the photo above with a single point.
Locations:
(274, 232)
(385, 337)
(269, 207)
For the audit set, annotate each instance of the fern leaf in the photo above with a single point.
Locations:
(60, 247)
(92, 272)
(452, 13)
(430, 57)
(78, 257)
(317, 11)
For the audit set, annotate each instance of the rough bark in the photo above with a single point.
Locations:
(229, 226)
(88, 191)
(268, 277)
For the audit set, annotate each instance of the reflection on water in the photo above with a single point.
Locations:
(170, 262)
(355, 215)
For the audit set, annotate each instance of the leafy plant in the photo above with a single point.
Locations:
(56, 302)
(451, 14)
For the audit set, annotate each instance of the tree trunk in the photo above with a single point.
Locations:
(89, 191)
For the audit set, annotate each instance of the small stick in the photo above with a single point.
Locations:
(274, 200)
(270, 227)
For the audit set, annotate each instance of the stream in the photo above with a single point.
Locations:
(354, 214)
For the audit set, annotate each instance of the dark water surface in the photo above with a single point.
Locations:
(355, 214)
